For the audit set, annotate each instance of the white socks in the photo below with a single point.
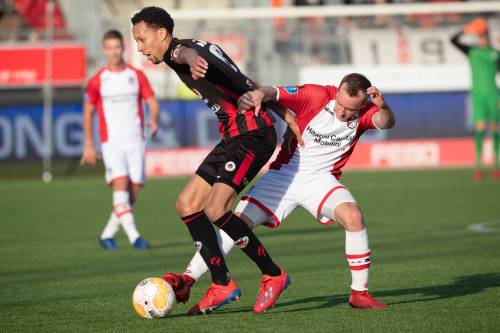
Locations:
(358, 257)
(197, 267)
(123, 211)
(112, 227)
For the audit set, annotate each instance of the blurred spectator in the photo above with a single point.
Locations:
(11, 26)
(281, 30)
(34, 12)
(24, 20)
(315, 31)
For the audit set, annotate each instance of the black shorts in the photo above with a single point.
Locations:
(237, 161)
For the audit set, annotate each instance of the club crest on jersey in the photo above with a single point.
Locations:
(242, 242)
(353, 122)
(131, 80)
(292, 89)
(230, 166)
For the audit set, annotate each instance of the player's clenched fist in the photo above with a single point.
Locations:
(198, 67)
(251, 99)
(377, 96)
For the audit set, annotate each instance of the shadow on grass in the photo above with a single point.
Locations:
(462, 286)
(301, 231)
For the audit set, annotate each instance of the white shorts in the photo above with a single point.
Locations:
(124, 160)
(279, 193)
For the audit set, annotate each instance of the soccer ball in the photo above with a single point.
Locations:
(153, 298)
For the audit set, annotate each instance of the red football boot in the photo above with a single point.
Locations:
(270, 290)
(216, 296)
(495, 174)
(363, 300)
(181, 283)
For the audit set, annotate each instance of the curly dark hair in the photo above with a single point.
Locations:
(355, 83)
(154, 17)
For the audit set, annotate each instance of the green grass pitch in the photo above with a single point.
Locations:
(435, 273)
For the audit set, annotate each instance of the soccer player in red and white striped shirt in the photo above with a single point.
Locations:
(117, 92)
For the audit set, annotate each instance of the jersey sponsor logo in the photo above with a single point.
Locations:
(329, 139)
(230, 166)
(292, 89)
(214, 107)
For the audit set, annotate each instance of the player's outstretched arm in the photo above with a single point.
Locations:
(385, 117)
(455, 40)
(197, 64)
(269, 95)
(89, 155)
(255, 98)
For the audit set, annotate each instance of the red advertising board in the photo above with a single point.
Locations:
(25, 65)
(401, 154)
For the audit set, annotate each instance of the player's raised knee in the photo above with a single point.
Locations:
(185, 206)
(350, 216)
(355, 221)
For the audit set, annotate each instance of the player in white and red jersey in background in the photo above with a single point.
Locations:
(117, 92)
(331, 120)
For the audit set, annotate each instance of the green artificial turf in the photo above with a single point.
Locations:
(435, 273)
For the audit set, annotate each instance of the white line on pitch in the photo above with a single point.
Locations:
(485, 227)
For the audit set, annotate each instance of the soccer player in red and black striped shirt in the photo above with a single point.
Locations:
(248, 141)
